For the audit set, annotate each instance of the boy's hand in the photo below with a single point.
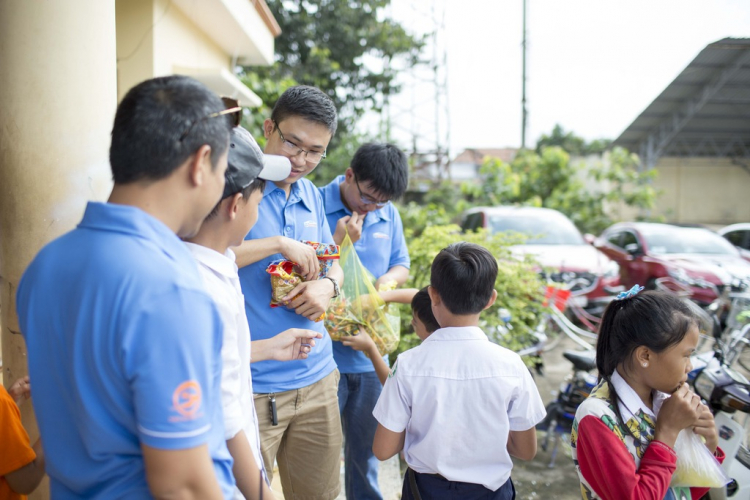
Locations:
(361, 342)
(310, 298)
(20, 390)
(303, 255)
(351, 224)
(706, 427)
(292, 344)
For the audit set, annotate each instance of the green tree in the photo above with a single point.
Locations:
(587, 193)
(325, 43)
(571, 143)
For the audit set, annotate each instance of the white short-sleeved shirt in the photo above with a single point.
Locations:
(219, 273)
(457, 395)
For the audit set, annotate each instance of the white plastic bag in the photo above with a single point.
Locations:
(696, 465)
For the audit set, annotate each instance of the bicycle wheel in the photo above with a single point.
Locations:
(552, 331)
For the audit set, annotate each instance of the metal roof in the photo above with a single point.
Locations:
(705, 111)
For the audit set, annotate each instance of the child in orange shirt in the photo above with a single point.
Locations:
(21, 465)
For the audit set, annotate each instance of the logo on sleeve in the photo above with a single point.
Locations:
(311, 223)
(186, 399)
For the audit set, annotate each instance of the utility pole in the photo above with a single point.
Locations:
(523, 83)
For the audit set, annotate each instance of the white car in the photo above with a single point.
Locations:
(739, 236)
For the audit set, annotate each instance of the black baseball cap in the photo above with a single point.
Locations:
(247, 163)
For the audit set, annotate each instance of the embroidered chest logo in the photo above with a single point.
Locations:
(311, 223)
(186, 399)
(380, 236)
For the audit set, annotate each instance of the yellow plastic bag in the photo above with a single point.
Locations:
(696, 465)
(360, 305)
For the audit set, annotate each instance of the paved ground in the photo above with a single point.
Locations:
(533, 480)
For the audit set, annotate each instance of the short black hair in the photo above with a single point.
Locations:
(149, 139)
(257, 185)
(464, 275)
(384, 167)
(421, 306)
(306, 102)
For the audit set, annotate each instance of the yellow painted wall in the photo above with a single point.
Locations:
(178, 42)
(135, 43)
(703, 191)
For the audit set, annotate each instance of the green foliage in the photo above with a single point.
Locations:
(571, 143)
(587, 194)
(518, 284)
(325, 43)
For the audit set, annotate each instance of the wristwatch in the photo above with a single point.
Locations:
(336, 289)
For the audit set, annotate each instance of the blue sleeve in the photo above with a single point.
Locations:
(399, 251)
(172, 361)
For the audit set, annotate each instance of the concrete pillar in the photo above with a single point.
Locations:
(58, 95)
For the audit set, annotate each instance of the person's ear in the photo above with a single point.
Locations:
(434, 296)
(200, 165)
(349, 175)
(268, 126)
(642, 356)
(234, 206)
(492, 299)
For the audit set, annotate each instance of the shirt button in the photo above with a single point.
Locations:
(288, 230)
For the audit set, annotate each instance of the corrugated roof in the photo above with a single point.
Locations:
(705, 111)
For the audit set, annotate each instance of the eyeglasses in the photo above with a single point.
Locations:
(291, 149)
(366, 200)
(232, 108)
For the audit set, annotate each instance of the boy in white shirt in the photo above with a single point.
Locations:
(459, 405)
(226, 226)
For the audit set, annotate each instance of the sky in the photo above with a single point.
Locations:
(592, 65)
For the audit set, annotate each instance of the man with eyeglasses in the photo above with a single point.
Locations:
(358, 202)
(296, 401)
(123, 341)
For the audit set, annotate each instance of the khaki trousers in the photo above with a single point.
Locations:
(306, 443)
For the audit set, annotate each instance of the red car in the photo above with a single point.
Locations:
(694, 256)
(556, 244)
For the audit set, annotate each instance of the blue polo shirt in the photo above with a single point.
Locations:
(381, 247)
(124, 349)
(299, 217)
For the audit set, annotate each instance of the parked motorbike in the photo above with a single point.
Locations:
(573, 391)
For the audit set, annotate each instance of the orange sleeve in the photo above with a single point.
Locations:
(16, 445)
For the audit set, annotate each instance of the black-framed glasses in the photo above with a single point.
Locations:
(291, 149)
(232, 108)
(366, 200)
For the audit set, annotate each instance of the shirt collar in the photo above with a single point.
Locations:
(457, 333)
(222, 264)
(134, 221)
(630, 402)
(333, 202)
(295, 194)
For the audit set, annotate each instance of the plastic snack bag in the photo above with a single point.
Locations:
(360, 305)
(285, 275)
(696, 466)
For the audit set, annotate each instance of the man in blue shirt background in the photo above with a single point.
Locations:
(296, 401)
(123, 342)
(358, 202)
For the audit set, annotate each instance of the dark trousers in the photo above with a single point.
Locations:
(434, 487)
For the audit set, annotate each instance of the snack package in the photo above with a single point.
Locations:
(696, 466)
(360, 305)
(284, 279)
(285, 276)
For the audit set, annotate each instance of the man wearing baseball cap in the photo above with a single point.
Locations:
(226, 226)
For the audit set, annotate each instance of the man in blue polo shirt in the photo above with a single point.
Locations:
(358, 202)
(296, 402)
(123, 342)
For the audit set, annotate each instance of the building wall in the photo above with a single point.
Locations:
(703, 191)
(135, 43)
(179, 43)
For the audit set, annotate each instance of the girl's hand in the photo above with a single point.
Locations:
(680, 411)
(361, 342)
(706, 427)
